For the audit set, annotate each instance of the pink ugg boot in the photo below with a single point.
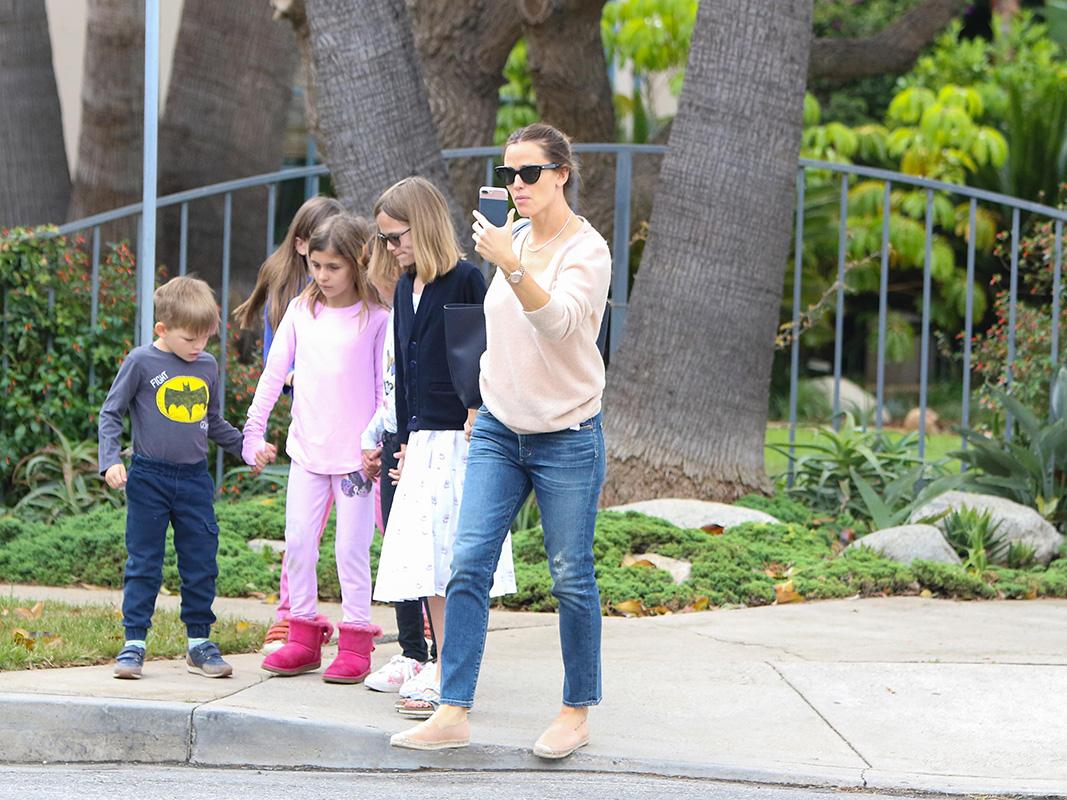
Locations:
(354, 647)
(303, 652)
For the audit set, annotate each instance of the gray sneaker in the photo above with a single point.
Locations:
(129, 661)
(205, 659)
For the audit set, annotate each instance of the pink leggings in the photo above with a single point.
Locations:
(283, 583)
(309, 497)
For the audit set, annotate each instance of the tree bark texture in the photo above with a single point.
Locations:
(463, 46)
(891, 50)
(374, 114)
(225, 118)
(686, 401)
(294, 12)
(570, 78)
(111, 141)
(34, 179)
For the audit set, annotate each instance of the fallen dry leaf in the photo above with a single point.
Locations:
(785, 593)
(31, 613)
(701, 604)
(714, 530)
(23, 638)
(634, 561)
(631, 608)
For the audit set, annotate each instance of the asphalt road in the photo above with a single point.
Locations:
(181, 783)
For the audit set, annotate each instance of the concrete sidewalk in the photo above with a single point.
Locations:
(895, 693)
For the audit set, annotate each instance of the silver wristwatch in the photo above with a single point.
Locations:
(515, 276)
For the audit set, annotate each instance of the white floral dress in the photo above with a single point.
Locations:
(416, 558)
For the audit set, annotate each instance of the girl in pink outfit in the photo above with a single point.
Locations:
(282, 277)
(333, 333)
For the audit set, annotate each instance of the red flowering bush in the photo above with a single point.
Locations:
(55, 367)
(48, 347)
(1032, 366)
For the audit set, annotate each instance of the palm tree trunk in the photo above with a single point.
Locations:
(111, 142)
(374, 119)
(34, 179)
(686, 402)
(225, 118)
(463, 47)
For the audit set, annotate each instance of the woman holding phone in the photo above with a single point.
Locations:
(542, 378)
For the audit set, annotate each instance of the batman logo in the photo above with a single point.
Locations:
(183, 399)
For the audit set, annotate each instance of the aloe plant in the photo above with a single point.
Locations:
(900, 498)
(1030, 471)
(62, 477)
(824, 476)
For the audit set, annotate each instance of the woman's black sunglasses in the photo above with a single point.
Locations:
(530, 173)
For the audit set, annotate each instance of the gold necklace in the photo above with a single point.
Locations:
(541, 247)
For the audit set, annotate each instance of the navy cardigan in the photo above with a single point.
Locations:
(425, 398)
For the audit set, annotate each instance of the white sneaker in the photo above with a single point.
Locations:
(391, 676)
(426, 676)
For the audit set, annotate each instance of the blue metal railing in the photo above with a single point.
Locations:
(930, 186)
(624, 155)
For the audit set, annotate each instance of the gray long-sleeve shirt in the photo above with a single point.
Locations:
(173, 405)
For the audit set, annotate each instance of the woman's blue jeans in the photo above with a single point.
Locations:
(565, 469)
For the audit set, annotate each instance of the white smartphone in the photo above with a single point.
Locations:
(493, 203)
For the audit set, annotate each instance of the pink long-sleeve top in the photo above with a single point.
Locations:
(337, 353)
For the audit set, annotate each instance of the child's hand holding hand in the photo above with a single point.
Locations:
(372, 463)
(395, 473)
(265, 456)
(468, 426)
(116, 476)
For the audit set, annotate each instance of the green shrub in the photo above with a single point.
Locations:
(951, 580)
(860, 571)
(779, 506)
(48, 342)
(261, 518)
(742, 566)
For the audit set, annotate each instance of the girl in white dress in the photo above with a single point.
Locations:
(416, 560)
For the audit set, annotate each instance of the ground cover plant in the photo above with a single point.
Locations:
(45, 634)
(751, 564)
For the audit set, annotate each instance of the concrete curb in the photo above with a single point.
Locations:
(50, 729)
(45, 728)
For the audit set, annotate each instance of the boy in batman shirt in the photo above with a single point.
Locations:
(171, 390)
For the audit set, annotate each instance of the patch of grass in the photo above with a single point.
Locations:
(63, 635)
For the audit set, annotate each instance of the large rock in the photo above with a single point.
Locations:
(854, 398)
(696, 513)
(1018, 523)
(905, 543)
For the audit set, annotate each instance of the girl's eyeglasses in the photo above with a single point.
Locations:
(530, 173)
(392, 238)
